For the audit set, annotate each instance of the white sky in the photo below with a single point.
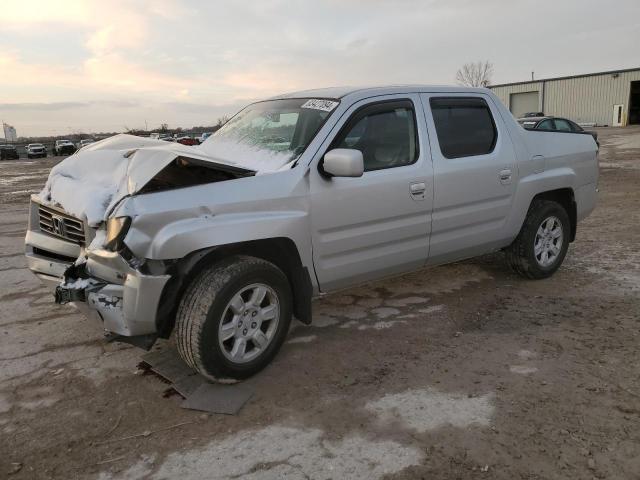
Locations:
(103, 65)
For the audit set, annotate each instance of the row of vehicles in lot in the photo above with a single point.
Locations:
(181, 138)
(38, 150)
(67, 147)
(529, 121)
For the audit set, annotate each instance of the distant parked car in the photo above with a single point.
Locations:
(555, 124)
(159, 136)
(168, 139)
(64, 147)
(204, 136)
(533, 114)
(85, 142)
(187, 140)
(36, 150)
(8, 152)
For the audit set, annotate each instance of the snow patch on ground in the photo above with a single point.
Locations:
(522, 369)
(384, 312)
(306, 339)
(432, 309)
(279, 452)
(428, 409)
(381, 325)
(323, 321)
(403, 302)
(527, 354)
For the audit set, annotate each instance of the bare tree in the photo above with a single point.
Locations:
(222, 120)
(475, 74)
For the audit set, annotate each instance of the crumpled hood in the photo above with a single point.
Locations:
(91, 182)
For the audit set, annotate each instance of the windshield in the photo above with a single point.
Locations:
(266, 136)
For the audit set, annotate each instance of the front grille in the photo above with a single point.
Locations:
(61, 225)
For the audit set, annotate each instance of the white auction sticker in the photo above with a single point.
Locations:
(320, 104)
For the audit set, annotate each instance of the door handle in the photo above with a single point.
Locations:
(417, 190)
(505, 176)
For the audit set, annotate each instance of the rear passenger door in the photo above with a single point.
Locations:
(475, 174)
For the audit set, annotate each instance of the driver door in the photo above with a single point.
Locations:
(378, 224)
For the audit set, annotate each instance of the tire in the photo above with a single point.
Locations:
(546, 230)
(206, 306)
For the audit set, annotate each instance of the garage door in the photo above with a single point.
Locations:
(521, 103)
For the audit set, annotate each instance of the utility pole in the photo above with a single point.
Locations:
(532, 76)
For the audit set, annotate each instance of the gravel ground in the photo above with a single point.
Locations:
(461, 371)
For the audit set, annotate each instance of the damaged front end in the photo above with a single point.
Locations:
(117, 292)
(78, 244)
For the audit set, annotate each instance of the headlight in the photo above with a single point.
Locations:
(116, 231)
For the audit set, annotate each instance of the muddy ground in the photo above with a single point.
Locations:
(461, 371)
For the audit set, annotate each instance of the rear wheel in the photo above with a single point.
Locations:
(233, 318)
(540, 247)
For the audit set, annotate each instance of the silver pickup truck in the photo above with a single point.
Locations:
(302, 194)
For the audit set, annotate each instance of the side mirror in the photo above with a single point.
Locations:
(343, 162)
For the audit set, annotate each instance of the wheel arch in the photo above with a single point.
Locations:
(281, 251)
(566, 198)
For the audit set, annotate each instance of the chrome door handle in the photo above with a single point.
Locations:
(417, 190)
(505, 176)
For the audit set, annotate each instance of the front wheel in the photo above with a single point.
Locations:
(233, 318)
(540, 247)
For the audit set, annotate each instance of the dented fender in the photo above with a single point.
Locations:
(178, 239)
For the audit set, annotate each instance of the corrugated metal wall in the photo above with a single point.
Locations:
(587, 99)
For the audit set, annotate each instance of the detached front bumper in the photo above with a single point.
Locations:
(128, 302)
(121, 297)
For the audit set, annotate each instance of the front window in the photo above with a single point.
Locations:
(266, 136)
(384, 132)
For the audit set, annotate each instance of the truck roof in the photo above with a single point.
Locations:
(341, 92)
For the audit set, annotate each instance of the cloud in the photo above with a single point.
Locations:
(159, 54)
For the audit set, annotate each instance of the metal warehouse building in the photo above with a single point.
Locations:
(605, 98)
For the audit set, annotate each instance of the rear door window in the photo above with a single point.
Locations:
(465, 126)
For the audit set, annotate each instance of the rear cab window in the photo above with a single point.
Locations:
(464, 126)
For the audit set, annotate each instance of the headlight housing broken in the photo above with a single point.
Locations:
(117, 228)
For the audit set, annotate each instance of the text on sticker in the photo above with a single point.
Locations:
(320, 104)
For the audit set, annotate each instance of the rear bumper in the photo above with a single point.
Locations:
(125, 301)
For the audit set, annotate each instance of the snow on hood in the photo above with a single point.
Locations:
(229, 149)
(90, 182)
